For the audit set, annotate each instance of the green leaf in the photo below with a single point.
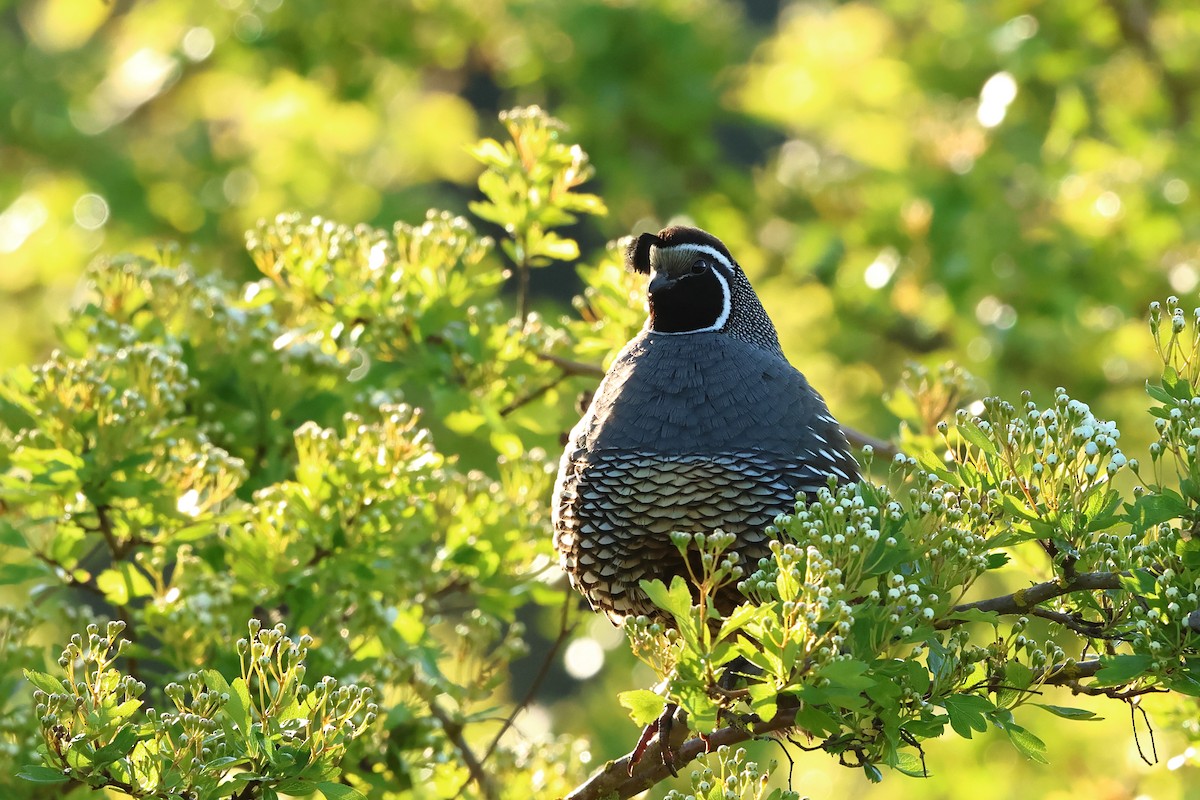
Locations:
(1175, 385)
(1140, 582)
(966, 713)
(464, 422)
(339, 791)
(1027, 744)
(238, 709)
(813, 720)
(489, 212)
(1158, 393)
(1151, 509)
(491, 153)
(997, 560)
(506, 444)
(554, 246)
(764, 699)
(123, 582)
(1070, 713)
(120, 746)
(1184, 684)
(1018, 675)
(677, 600)
(497, 189)
(974, 434)
(644, 705)
(910, 765)
(738, 619)
(11, 538)
(1122, 669)
(296, 787)
(47, 683)
(584, 203)
(975, 615)
(35, 773)
(20, 572)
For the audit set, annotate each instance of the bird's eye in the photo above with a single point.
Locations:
(699, 267)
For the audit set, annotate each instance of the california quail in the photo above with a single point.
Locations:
(701, 423)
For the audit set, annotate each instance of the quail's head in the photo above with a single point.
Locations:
(696, 286)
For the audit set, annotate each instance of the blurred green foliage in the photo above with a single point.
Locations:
(1004, 184)
(900, 178)
(200, 452)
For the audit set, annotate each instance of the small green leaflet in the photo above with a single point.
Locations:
(975, 615)
(644, 705)
(966, 713)
(339, 791)
(677, 600)
(47, 683)
(1070, 713)
(910, 765)
(35, 773)
(975, 435)
(737, 620)
(764, 699)
(1029, 745)
(1121, 669)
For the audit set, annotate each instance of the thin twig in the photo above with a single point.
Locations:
(564, 630)
(1133, 709)
(1093, 630)
(570, 367)
(534, 395)
(454, 734)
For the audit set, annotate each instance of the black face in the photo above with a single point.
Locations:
(694, 301)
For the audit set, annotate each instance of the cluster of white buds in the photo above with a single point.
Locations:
(734, 778)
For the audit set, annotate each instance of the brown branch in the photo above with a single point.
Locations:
(1135, 20)
(616, 780)
(106, 530)
(570, 367)
(1069, 674)
(454, 734)
(1024, 601)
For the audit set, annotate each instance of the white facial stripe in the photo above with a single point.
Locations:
(723, 317)
(695, 248)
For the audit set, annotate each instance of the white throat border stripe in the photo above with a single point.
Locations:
(726, 297)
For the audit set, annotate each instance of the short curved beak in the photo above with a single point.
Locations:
(660, 281)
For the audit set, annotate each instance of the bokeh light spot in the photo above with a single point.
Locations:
(994, 99)
(1176, 191)
(583, 658)
(91, 211)
(198, 44)
(19, 221)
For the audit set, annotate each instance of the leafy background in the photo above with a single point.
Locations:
(1005, 185)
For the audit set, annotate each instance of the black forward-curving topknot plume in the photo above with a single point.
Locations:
(637, 254)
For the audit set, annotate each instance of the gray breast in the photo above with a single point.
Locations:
(690, 432)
